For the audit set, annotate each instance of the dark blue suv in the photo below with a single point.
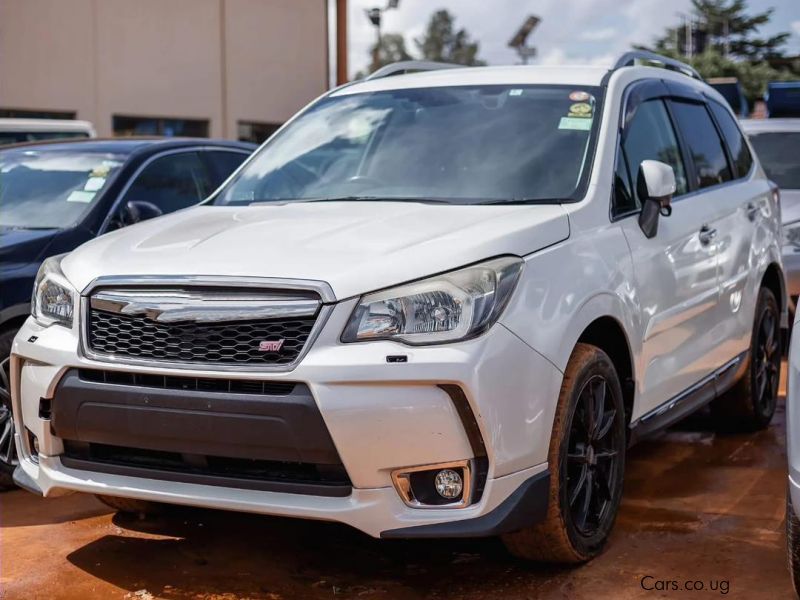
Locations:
(55, 196)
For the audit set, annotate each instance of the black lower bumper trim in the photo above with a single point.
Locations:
(23, 480)
(525, 507)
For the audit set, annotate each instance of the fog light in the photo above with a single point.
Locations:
(448, 484)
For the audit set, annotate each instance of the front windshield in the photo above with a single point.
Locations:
(51, 189)
(778, 152)
(461, 145)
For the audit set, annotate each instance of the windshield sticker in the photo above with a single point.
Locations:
(94, 183)
(81, 196)
(580, 96)
(515, 92)
(580, 110)
(575, 123)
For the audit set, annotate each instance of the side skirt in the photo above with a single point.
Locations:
(690, 400)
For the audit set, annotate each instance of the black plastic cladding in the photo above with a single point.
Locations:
(235, 343)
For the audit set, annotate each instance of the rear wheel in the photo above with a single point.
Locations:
(8, 449)
(587, 463)
(793, 543)
(750, 404)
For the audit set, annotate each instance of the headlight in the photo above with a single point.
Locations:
(444, 308)
(53, 296)
(791, 234)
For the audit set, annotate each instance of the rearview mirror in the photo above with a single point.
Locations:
(655, 183)
(136, 211)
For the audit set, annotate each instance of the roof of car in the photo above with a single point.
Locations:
(128, 145)
(507, 75)
(765, 125)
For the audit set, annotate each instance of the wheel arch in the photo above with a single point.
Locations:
(774, 281)
(604, 322)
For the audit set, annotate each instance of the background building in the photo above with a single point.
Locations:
(222, 68)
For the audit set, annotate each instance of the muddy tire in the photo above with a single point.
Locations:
(131, 505)
(587, 464)
(793, 544)
(750, 404)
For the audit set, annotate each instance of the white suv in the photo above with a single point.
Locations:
(434, 304)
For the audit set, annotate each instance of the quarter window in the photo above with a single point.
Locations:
(710, 163)
(650, 136)
(733, 137)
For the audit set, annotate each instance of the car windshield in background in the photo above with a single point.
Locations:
(462, 145)
(778, 152)
(51, 189)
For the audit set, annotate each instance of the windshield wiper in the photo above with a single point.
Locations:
(518, 201)
(352, 199)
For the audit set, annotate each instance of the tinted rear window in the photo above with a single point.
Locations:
(779, 153)
(705, 145)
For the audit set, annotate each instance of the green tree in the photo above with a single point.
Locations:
(725, 26)
(442, 42)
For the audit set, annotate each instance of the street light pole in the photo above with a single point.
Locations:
(375, 16)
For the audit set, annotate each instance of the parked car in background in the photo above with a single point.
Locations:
(732, 91)
(55, 196)
(777, 143)
(15, 131)
(438, 304)
(783, 99)
(793, 456)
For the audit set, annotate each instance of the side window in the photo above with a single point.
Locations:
(172, 182)
(710, 163)
(733, 137)
(624, 202)
(223, 163)
(650, 136)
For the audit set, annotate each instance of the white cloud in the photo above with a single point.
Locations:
(796, 27)
(599, 35)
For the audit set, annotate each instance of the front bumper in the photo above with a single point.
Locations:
(381, 417)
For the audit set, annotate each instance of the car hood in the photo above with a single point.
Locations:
(20, 247)
(355, 247)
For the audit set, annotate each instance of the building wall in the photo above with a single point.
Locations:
(164, 58)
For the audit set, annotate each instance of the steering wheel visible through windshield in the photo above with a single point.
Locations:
(463, 145)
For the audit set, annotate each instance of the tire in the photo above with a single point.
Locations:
(750, 404)
(131, 505)
(793, 544)
(8, 449)
(587, 464)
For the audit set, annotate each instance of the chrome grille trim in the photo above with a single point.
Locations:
(295, 294)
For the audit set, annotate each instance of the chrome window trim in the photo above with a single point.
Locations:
(402, 484)
(320, 287)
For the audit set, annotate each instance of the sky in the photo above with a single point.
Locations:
(571, 31)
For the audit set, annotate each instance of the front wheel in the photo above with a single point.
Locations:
(8, 449)
(750, 404)
(587, 464)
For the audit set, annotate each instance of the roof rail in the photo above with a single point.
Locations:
(410, 66)
(629, 59)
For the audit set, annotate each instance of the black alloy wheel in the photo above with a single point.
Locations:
(8, 449)
(593, 457)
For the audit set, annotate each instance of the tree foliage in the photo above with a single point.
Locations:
(726, 43)
(441, 42)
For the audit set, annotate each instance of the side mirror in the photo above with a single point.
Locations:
(136, 211)
(655, 183)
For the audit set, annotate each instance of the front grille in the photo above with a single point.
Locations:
(202, 384)
(227, 343)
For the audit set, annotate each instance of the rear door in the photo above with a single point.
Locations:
(676, 271)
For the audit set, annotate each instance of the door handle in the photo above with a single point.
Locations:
(707, 234)
(752, 210)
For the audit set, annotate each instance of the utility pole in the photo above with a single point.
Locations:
(375, 16)
(341, 42)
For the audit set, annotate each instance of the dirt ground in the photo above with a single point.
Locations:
(700, 511)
